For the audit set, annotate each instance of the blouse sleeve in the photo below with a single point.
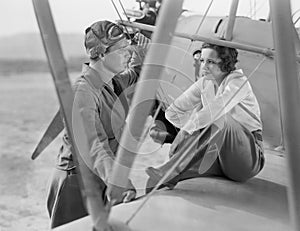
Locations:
(220, 105)
(179, 112)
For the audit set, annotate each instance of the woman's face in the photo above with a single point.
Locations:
(210, 69)
(117, 57)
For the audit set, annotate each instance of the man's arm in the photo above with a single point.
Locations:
(131, 74)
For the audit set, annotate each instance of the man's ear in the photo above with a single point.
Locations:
(96, 51)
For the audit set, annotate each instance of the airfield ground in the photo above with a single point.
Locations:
(27, 104)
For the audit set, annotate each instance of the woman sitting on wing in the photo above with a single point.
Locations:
(222, 107)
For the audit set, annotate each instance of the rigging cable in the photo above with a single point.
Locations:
(127, 32)
(163, 98)
(148, 196)
(124, 11)
(112, 1)
(260, 7)
(250, 9)
(147, 129)
(198, 28)
(293, 15)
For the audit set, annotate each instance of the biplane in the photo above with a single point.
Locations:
(269, 54)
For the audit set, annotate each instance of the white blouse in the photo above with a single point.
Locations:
(199, 105)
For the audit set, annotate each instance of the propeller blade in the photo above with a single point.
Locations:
(53, 130)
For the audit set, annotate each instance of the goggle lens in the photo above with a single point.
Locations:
(115, 33)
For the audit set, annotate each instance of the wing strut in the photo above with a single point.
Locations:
(231, 19)
(289, 93)
(145, 93)
(89, 188)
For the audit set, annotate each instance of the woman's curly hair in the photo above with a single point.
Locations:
(227, 55)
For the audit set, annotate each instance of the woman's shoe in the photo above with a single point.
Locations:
(155, 176)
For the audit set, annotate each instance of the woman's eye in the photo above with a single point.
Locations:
(201, 60)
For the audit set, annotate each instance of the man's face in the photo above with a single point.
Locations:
(117, 56)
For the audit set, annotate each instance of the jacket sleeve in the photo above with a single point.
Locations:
(99, 157)
(131, 74)
(179, 112)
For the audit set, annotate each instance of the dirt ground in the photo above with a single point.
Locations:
(27, 104)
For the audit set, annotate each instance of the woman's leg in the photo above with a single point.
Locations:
(238, 159)
(194, 148)
(240, 156)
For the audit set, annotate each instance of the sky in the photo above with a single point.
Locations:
(17, 16)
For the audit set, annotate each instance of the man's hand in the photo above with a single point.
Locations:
(158, 135)
(141, 40)
(129, 195)
(180, 137)
(117, 194)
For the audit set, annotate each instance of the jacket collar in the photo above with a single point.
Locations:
(92, 76)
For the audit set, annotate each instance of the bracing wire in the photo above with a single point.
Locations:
(112, 1)
(145, 133)
(261, 6)
(124, 11)
(254, 9)
(204, 16)
(199, 26)
(148, 196)
(147, 129)
(293, 15)
(251, 10)
(164, 99)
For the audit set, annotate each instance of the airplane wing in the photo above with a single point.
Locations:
(53, 130)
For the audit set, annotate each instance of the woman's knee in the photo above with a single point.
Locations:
(239, 177)
(239, 174)
(239, 167)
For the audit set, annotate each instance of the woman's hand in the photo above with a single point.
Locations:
(181, 136)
